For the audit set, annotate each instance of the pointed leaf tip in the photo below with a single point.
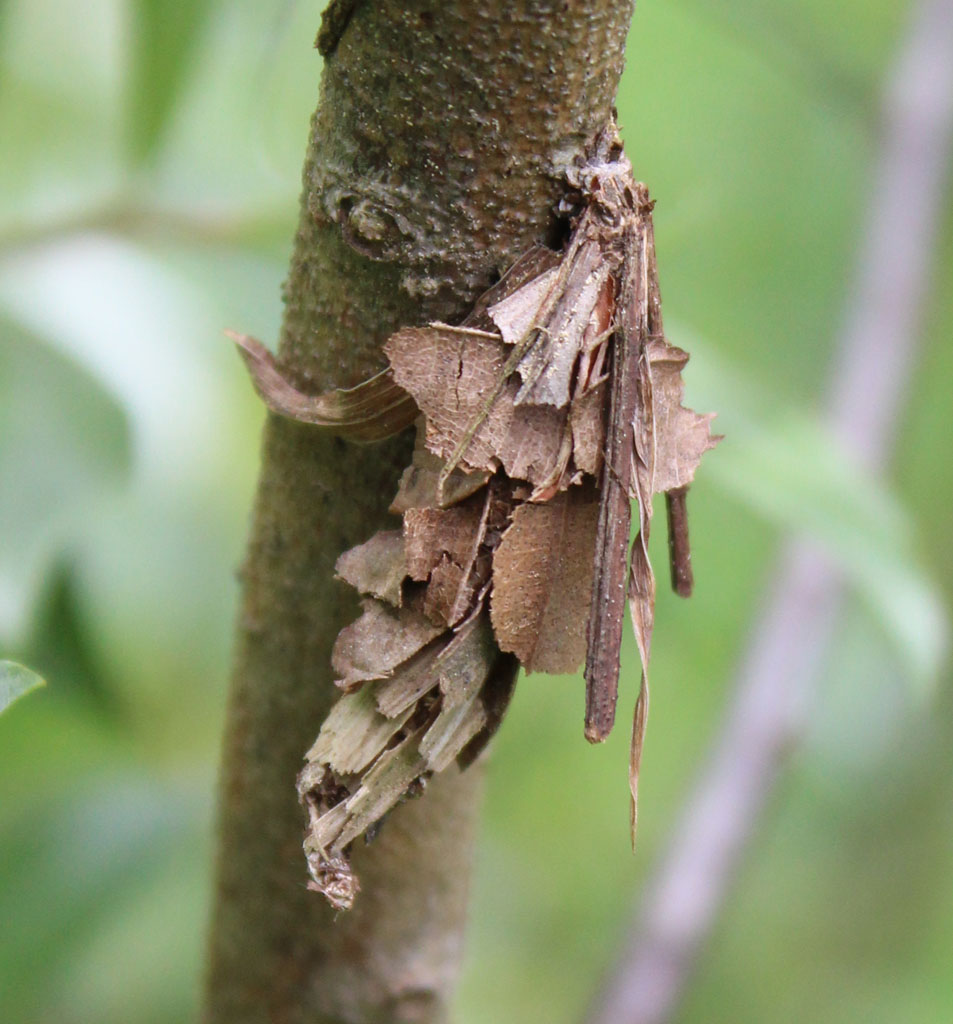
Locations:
(16, 681)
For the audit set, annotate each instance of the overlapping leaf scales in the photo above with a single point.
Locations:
(553, 406)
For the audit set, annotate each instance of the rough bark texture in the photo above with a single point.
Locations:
(436, 157)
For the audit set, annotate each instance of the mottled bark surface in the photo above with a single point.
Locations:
(436, 157)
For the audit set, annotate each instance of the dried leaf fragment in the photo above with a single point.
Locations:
(420, 484)
(380, 640)
(558, 308)
(681, 435)
(542, 578)
(355, 732)
(454, 374)
(376, 567)
(456, 667)
(380, 744)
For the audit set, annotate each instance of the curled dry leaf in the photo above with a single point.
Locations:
(554, 406)
(374, 410)
(681, 436)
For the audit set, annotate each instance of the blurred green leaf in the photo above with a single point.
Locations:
(163, 49)
(61, 643)
(65, 444)
(78, 871)
(791, 469)
(16, 681)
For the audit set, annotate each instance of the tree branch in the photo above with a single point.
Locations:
(870, 377)
(437, 155)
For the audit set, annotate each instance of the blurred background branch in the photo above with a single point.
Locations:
(875, 357)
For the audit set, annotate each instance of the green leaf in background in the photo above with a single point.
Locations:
(789, 468)
(164, 43)
(99, 882)
(16, 681)
(65, 447)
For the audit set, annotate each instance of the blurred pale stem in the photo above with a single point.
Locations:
(870, 374)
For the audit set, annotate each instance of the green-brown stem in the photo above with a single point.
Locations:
(436, 157)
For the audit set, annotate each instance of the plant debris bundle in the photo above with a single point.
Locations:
(555, 405)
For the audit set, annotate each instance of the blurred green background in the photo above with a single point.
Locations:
(148, 197)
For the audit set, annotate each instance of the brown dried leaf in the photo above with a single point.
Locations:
(532, 264)
(587, 416)
(376, 409)
(454, 374)
(442, 546)
(681, 435)
(449, 593)
(519, 312)
(431, 533)
(560, 306)
(380, 640)
(542, 580)
(419, 484)
(376, 567)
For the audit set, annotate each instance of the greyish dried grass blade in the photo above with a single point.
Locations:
(640, 719)
(380, 640)
(355, 732)
(380, 744)
(457, 668)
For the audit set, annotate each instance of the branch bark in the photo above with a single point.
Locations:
(870, 375)
(437, 155)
